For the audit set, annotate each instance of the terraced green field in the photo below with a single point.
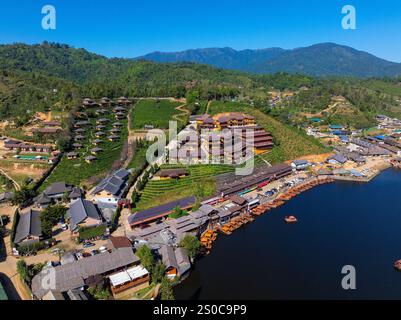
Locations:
(77, 171)
(201, 182)
(153, 112)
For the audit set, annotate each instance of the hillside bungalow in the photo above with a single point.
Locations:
(100, 127)
(176, 261)
(115, 130)
(72, 155)
(105, 101)
(29, 229)
(99, 134)
(96, 142)
(83, 213)
(79, 138)
(113, 137)
(101, 111)
(80, 124)
(52, 123)
(120, 115)
(119, 109)
(77, 145)
(111, 189)
(80, 131)
(90, 159)
(166, 174)
(96, 151)
(159, 212)
(123, 101)
(117, 125)
(102, 121)
(77, 274)
(45, 131)
(87, 102)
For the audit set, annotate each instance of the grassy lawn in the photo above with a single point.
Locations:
(152, 112)
(77, 171)
(201, 182)
(290, 143)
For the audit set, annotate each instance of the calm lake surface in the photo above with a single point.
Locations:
(339, 224)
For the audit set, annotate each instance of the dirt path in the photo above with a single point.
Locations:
(16, 185)
(131, 138)
(184, 113)
(207, 107)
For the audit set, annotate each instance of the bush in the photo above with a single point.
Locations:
(90, 233)
(25, 249)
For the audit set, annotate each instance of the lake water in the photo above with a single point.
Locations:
(339, 224)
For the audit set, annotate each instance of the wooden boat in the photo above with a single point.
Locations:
(290, 219)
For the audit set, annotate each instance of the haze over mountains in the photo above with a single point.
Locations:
(325, 59)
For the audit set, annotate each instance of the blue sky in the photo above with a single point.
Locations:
(126, 28)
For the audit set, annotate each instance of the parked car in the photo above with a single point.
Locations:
(103, 249)
(88, 244)
(94, 252)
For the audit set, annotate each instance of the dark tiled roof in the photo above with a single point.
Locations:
(28, 225)
(165, 209)
(80, 210)
(57, 188)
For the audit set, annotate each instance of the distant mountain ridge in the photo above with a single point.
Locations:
(325, 59)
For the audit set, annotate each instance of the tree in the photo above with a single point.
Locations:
(178, 213)
(23, 271)
(23, 196)
(146, 256)
(50, 217)
(166, 290)
(191, 244)
(158, 272)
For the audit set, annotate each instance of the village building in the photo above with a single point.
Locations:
(176, 261)
(113, 137)
(111, 189)
(76, 193)
(87, 102)
(42, 201)
(102, 121)
(166, 174)
(119, 109)
(80, 124)
(123, 101)
(81, 273)
(100, 127)
(300, 164)
(72, 155)
(105, 101)
(117, 124)
(77, 145)
(57, 190)
(83, 213)
(29, 229)
(160, 212)
(97, 142)
(90, 159)
(96, 151)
